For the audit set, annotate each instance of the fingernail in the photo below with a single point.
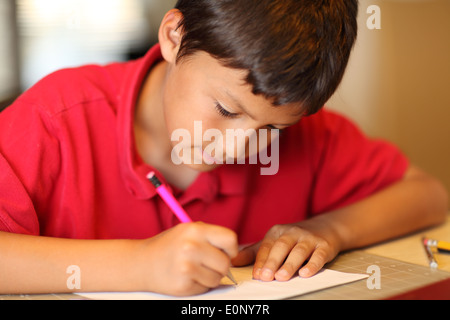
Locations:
(257, 274)
(304, 273)
(282, 274)
(267, 275)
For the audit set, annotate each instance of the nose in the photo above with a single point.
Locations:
(242, 144)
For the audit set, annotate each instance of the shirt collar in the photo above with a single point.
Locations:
(133, 170)
(227, 180)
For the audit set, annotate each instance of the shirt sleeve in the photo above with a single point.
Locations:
(29, 159)
(349, 166)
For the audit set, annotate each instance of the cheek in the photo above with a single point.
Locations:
(176, 102)
(176, 113)
(186, 123)
(191, 114)
(174, 118)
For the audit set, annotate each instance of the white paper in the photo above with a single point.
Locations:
(250, 289)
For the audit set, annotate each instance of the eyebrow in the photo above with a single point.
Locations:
(238, 103)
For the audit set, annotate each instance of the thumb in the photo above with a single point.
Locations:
(246, 256)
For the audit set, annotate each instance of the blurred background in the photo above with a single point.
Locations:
(397, 86)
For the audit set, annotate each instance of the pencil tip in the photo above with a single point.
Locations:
(230, 276)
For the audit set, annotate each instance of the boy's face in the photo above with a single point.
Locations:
(200, 94)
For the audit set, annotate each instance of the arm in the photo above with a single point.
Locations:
(37, 265)
(188, 259)
(416, 202)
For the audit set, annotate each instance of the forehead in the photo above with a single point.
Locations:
(230, 84)
(204, 65)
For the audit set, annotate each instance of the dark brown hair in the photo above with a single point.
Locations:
(295, 51)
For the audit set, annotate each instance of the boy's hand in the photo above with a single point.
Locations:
(285, 249)
(189, 259)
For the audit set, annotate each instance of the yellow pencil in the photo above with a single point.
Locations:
(439, 245)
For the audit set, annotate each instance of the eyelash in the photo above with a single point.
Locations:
(221, 110)
(224, 113)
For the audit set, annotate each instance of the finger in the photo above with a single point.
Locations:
(261, 257)
(200, 280)
(222, 238)
(192, 279)
(216, 260)
(246, 256)
(195, 250)
(201, 264)
(207, 277)
(318, 259)
(298, 255)
(280, 250)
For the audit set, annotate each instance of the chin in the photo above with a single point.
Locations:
(203, 167)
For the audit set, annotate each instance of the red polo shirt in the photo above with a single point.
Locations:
(69, 167)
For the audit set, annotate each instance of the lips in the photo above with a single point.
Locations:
(209, 159)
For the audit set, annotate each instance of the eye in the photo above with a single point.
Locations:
(225, 113)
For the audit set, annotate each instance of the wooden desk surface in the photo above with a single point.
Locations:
(410, 249)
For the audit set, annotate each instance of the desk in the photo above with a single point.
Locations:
(403, 264)
(408, 249)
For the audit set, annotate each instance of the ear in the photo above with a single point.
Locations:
(170, 35)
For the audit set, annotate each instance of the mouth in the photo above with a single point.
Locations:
(208, 159)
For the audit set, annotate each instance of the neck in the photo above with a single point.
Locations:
(151, 134)
(149, 123)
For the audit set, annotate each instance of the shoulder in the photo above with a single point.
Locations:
(327, 121)
(320, 129)
(66, 88)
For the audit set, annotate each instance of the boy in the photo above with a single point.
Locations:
(76, 148)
